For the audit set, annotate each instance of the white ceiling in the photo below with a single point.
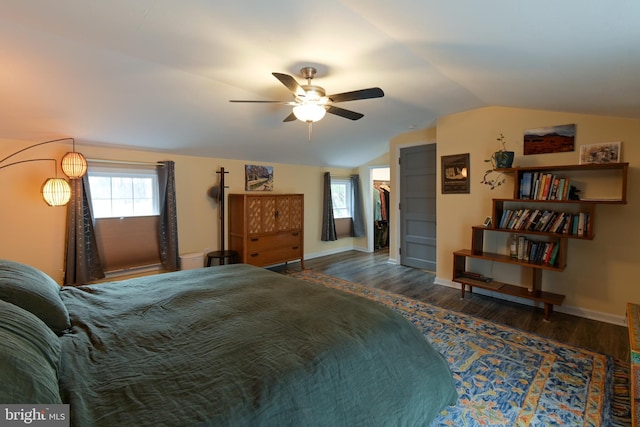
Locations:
(158, 74)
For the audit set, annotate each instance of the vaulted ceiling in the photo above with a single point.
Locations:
(158, 74)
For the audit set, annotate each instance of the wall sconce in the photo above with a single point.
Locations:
(56, 191)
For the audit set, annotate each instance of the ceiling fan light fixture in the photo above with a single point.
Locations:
(309, 112)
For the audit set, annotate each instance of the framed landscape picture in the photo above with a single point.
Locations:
(606, 152)
(455, 174)
(551, 139)
(258, 178)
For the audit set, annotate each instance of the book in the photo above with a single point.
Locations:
(553, 189)
(587, 224)
(514, 218)
(534, 215)
(560, 193)
(535, 185)
(543, 220)
(557, 223)
(549, 222)
(574, 225)
(581, 224)
(565, 190)
(547, 185)
(525, 192)
(554, 255)
(542, 181)
(525, 215)
(503, 218)
(521, 243)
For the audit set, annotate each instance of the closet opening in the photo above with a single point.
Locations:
(381, 189)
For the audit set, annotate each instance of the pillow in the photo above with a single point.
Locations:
(29, 358)
(33, 290)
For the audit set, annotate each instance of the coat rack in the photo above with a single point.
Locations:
(222, 255)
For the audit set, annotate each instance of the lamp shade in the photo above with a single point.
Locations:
(74, 165)
(309, 112)
(56, 192)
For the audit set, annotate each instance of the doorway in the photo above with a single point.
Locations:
(381, 190)
(418, 207)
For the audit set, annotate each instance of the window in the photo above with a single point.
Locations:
(125, 205)
(123, 192)
(341, 197)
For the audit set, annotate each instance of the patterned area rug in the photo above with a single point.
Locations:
(508, 377)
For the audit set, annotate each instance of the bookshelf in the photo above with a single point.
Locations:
(543, 218)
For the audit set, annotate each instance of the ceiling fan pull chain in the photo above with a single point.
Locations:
(310, 130)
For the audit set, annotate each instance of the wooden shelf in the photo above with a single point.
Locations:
(571, 207)
(591, 166)
(584, 173)
(515, 291)
(505, 259)
(547, 298)
(601, 180)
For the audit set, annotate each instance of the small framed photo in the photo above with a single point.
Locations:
(258, 178)
(605, 152)
(487, 222)
(455, 174)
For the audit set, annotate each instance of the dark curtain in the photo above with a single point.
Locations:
(328, 223)
(168, 225)
(82, 259)
(358, 213)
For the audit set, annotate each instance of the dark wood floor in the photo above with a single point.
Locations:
(373, 269)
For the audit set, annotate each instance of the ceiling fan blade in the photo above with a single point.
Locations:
(259, 102)
(290, 83)
(372, 92)
(290, 118)
(347, 114)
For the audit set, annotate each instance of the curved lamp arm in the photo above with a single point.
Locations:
(33, 146)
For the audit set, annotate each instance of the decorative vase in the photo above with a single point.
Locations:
(504, 159)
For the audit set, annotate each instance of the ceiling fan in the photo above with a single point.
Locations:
(310, 103)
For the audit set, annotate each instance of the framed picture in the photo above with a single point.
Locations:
(455, 174)
(258, 178)
(606, 152)
(487, 222)
(551, 139)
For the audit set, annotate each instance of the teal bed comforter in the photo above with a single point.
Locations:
(239, 345)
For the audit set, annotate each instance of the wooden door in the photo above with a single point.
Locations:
(261, 214)
(418, 207)
(289, 212)
(283, 213)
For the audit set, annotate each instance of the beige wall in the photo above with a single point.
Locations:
(601, 274)
(599, 279)
(34, 233)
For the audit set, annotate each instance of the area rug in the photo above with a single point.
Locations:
(505, 376)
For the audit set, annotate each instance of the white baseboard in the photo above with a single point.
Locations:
(567, 309)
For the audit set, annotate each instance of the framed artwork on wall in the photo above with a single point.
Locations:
(605, 152)
(455, 174)
(551, 139)
(258, 178)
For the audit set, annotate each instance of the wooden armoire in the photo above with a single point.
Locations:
(267, 229)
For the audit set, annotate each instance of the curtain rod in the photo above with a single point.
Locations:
(125, 162)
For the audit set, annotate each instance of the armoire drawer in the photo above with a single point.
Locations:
(274, 256)
(274, 241)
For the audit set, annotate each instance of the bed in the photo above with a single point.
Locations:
(233, 345)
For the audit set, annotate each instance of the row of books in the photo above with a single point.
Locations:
(544, 186)
(538, 252)
(545, 221)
